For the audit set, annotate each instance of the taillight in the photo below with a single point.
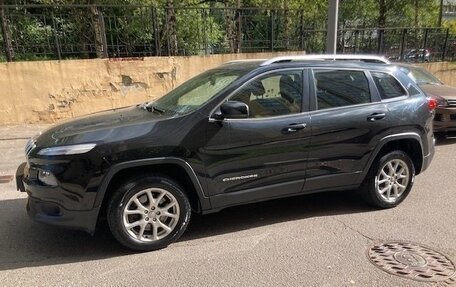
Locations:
(432, 103)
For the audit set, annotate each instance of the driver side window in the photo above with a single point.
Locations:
(274, 94)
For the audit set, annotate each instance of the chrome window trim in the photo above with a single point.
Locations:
(211, 119)
(407, 94)
(339, 69)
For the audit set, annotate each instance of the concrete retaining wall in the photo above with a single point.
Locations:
(445, 71)
(48, 91)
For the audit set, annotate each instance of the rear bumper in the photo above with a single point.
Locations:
(427, 160)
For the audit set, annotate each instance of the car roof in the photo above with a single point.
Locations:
(317, 57)
(333, 57)
(285, 62)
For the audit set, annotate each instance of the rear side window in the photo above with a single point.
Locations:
(387, 86)
(338, 88)
(412, 90)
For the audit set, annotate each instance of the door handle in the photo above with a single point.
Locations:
(376, 116)
(295, 127)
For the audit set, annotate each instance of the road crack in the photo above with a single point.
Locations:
(354, 229)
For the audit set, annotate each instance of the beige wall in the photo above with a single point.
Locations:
(445, 71)
(48, 91)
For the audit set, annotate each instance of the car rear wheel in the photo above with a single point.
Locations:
(390, 180)
(148, 212)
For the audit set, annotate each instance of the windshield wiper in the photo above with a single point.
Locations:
(428, 83)
(153, 108)
(149, 107)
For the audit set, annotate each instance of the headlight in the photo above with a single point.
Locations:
(67, 149)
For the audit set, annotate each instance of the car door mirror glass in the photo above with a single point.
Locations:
(232, 110)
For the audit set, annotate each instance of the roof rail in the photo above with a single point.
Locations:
(343, 57)
(243, 61)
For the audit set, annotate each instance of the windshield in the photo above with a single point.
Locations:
(422, 77)
(197, 91)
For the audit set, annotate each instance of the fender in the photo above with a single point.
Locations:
(381, 144)
(204, 201)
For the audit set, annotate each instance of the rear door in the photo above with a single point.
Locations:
(347, 120)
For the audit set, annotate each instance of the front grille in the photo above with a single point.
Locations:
(452, 103)
(29, 146)
(453, 117)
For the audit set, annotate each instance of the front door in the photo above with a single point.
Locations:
(263, 156)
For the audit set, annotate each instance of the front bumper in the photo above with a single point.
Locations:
(20, 177)
(43, 205)
(445, 119)
(54, 214)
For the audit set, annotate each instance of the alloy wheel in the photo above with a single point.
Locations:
(151, 214)
(392, 180)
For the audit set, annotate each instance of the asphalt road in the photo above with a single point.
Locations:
(315, 240)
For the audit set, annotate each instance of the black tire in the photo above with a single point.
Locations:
(135, 188)
(369, 190)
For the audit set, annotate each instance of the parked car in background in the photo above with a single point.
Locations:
(445, 114)
(418, 55)
(244, 132)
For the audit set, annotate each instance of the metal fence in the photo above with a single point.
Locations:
(87, 31)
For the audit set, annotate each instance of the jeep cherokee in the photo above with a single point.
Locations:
(244, 132)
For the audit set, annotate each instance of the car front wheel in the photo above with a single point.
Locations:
(390, 180)
(148, 212)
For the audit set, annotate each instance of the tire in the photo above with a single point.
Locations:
(148, 212)
(391, 172)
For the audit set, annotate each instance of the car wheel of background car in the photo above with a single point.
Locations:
(440, 136)
(148, 212)
(389, 180)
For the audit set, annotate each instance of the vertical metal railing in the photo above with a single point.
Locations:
(101, 31)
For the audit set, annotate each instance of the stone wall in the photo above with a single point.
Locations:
(49, 91)
(445, 71)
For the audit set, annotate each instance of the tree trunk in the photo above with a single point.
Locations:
(98, 27)
(381, 24)
(171, 27)
(229, 21)
(286, 15)
(9, 52)
(382, 13)
(237, 39)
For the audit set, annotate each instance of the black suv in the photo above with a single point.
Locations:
(244, 132)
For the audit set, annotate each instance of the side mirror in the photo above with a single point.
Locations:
(232, 110)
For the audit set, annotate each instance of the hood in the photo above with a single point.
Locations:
(443, 91)
(106, 126)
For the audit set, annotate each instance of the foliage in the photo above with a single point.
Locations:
(145, 27)
(451, 25)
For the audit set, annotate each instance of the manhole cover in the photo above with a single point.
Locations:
(412, 261)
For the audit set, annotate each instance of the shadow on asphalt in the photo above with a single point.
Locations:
(24, 243)
(448, 141)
